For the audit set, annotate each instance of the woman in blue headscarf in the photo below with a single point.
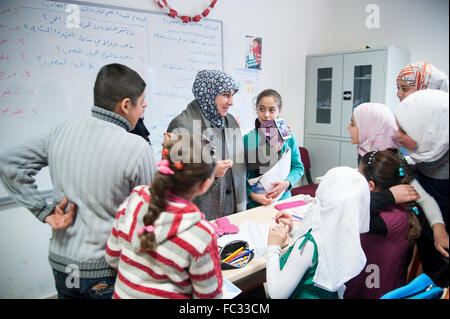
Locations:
(208, 115)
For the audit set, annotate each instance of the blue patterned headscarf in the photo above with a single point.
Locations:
(207, 86)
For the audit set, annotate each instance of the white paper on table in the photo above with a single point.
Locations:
(229, 290)
(254, 234)
(276, 173)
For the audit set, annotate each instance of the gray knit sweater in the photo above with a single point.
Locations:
(95, 163)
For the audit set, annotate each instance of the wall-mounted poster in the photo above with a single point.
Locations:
(244, 109)
(253, 54)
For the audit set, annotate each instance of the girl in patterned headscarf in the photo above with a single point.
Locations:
(208, 112)
(420, 76)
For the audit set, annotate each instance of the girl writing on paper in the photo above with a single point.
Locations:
(326, 251)
(160, 243)
(386, 254)
(265, 147)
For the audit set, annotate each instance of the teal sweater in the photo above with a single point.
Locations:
(251, 142)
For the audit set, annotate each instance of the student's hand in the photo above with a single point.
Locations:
(222, 166)
(59, 219)
(263, 199)
(440, 239)
(285, 218)
(278, 235)
(280, 187)
(404, 193)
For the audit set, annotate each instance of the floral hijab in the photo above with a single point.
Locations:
(423, 75)
(207, 86)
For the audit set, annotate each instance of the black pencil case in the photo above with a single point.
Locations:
(230, 248)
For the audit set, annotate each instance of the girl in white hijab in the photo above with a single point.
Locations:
(327, 251)
(423, 117)
(423, 123)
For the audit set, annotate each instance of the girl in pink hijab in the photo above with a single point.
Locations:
(376, 127)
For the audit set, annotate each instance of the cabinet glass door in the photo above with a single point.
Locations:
(323, 103)
(363, 82)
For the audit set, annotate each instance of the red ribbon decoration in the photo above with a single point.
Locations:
(185, 19)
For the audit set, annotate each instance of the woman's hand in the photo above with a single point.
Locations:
(278, 235)
(167, 137)
(263, 199)
(280, 187)
(440, 239)
(222, 166)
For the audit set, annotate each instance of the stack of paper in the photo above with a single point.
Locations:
(276, 173)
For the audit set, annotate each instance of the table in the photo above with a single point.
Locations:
(254, 273)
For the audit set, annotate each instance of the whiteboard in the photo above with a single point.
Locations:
(51, 52)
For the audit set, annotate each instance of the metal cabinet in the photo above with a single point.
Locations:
(335, 84)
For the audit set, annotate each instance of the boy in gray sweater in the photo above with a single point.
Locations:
(94, 163)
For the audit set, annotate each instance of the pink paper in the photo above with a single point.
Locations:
(296, 203)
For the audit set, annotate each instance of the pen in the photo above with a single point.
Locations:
(239, 257)
(296, 219)
(233, 254)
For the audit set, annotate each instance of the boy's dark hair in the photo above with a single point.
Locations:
(116, 82)
(181, 182)
(385, 170)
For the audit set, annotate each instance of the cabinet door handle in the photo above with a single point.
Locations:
(347, 95)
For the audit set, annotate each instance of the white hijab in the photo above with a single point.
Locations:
(337, 216)
(423, 115)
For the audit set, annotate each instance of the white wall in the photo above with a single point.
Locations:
(421, 26)
(290, 29)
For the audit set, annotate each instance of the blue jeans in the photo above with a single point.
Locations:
(96, 288)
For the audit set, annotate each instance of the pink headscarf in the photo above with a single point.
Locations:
(376, 126)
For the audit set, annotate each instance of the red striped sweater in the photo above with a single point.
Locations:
(185, 263)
